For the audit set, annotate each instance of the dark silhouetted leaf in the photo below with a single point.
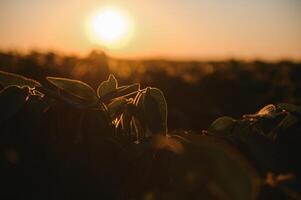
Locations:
(155, 110)
(123, 91)
(74, 87)
(40, 104)
(222, 125)
(116, 107)
(7, 79)
(256, 145)
(12, 99)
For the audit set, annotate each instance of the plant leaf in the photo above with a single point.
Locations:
(122, 91)
(258, 147)
(116, 107)
(12, 99)
(138, 111)
(155, 110)
(222, 125)
(7, 79)
(107, 87)
(75, 88)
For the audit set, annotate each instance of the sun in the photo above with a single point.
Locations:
(110, 27)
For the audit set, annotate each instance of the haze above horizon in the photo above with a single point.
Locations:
(191, 29)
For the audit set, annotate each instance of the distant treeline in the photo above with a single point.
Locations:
(197, 92)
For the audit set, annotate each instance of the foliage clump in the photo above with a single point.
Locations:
(65, 140)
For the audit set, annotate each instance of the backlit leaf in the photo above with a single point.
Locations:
(123, 91)
(75, 88)
(155, 110)
(7, 79)
(269, 111)
(107, 87)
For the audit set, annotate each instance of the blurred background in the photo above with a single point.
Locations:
(210, 57)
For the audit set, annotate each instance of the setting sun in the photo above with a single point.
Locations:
(110, 27)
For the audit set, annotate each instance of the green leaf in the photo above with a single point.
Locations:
(116, 107)
(155, 110)
(107, 87)
(76, 88)
(7, 79)
(12, 99)
(222, 125)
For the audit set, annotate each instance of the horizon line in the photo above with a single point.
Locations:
(181, 58)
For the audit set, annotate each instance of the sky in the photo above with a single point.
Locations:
(190, 29)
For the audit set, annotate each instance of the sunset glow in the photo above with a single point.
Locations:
(192, 29)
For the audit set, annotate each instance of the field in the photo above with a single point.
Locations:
(196, 92)
(218, 130)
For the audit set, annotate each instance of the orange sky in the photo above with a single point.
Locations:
(198, 29)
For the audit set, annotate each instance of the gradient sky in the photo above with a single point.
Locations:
(268, 29)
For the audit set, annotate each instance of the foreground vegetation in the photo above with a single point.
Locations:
(61, 139)
(197, 92)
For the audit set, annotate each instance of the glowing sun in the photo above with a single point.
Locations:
(110, 27)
